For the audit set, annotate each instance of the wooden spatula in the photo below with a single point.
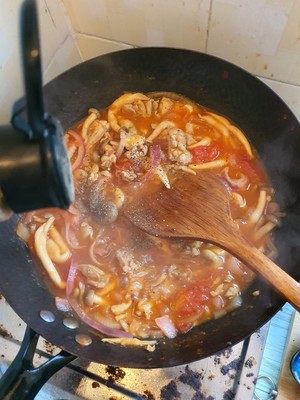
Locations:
(198, 207)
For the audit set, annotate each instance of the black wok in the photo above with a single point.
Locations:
(272, 129)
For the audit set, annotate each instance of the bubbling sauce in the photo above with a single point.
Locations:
(118, 279)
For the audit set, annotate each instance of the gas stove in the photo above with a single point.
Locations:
(230, 374)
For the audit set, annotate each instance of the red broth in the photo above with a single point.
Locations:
(118, 279)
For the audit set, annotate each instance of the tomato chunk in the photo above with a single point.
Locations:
(202, 154)
(249, 167)
(190, 300)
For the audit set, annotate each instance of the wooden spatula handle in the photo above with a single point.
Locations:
(288, 287)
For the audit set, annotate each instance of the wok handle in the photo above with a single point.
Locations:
(22, 381)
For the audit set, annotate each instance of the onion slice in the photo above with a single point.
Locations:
(235, 183)
(80, 149)
(166, 326)
(82, 314)
(155, 158)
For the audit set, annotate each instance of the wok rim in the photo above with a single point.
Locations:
(167, 347)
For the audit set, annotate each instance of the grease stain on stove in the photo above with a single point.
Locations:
(170, 391)
(222, 354)
(148, 395)
(190, 378)
(229, 395)
(233, 365)
(49, 347)
(95, 385)
(250, 362)
(4, 333)
(115, 373)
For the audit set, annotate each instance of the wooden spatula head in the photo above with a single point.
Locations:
(196, 206)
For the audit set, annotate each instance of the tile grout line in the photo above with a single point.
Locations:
(208, 25)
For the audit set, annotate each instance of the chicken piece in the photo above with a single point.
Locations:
(165, 105)
(177, 150)
(95, 276)
(128, 175)
(137, 152)
(127, 261)
(127, 98)
(108, 155)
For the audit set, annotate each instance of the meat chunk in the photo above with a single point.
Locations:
(128, 176)
(108, 156)
(177, 150)
(137, 150)
(127, 261)
(165, 105)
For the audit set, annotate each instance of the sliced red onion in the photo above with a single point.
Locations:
(71, 242)
(155, 158)
(96, 325)
(73, 210)
(70, 279)
(166, 326)
(80, 149)
(235, 183)
(83, 316)
(121, 145)
(62, 304)
(72, 219)
(92, 249)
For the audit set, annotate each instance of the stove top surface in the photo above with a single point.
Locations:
(230, 374)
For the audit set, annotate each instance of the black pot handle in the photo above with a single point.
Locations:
(31, 56)
(35, 170)
(22, 381)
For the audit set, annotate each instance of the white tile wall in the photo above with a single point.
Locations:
(10, 79)
(92, 46)
(261, 36)
(59, 49)
(174, 23)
